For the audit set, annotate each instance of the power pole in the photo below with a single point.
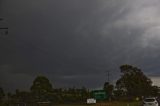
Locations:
(108, 76)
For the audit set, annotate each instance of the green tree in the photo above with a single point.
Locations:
(155, 90)
(84, 93)
(41, 88)
(23, 96)
(108, 88)
(1, 94)
(133, 82)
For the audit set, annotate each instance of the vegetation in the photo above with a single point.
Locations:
(114, 103)
(41, 88)
(132, 84)
(42, 91)
(109, 89)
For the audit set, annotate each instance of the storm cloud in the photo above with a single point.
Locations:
(74, 42)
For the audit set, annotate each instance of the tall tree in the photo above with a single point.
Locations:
(41, 88)
(108, 88)
(133, 81)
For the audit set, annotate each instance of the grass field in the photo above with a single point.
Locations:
(97, 104)
(107, 104)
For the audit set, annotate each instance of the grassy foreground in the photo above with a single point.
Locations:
(97, 104)
(119, 104)
(108, 104)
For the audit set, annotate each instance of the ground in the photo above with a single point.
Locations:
(108, 104)
(97, 104)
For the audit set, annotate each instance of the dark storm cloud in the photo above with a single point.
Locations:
(74, 42)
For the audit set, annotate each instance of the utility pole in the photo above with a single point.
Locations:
(108, 76)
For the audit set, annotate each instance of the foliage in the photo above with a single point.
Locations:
(42, 91)
(41, 88)
(155, 91)
(71, 95)
(108, 88)
(133, 82)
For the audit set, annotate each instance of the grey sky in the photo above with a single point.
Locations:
(74, 42)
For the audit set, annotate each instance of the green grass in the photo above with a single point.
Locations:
(106, 104)
(120, 104)
(98, 104)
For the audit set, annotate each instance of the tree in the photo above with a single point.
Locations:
(155, 90)
(1, 94)
(133, 82)
(108, 88)
(41, 88)
(84, 93)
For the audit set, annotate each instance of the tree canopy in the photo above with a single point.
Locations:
(41, 87)
(133, 81)
(108, 88)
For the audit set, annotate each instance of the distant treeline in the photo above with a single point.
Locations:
(71, 95)
(132, 84)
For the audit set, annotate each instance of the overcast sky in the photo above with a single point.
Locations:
(74, 42)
